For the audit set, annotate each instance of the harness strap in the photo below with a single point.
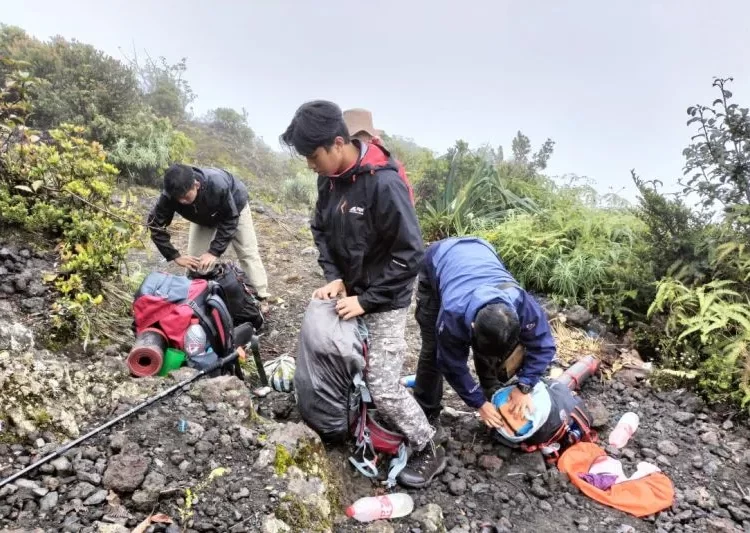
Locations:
(555, 438)
(366, 466)
(398, 463)
(360, 388)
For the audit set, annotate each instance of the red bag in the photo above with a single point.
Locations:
(172, 303)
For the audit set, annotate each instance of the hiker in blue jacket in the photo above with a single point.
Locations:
(467, 298)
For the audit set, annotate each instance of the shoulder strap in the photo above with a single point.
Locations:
(223, 321)
(204, 320)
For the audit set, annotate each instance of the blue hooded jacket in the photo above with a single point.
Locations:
(467, 272)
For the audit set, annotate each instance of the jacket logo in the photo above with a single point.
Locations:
(357, 210)
(530, 326)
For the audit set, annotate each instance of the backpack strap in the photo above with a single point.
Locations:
(583, 420)
(223, 321)
(398, 463)
(204, 320)
(365, 458)
(575, 428)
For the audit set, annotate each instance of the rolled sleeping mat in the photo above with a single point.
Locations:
(574, 377)
(147, 355)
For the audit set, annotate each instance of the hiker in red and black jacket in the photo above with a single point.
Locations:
(366, 230)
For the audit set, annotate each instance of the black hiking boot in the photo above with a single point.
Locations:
(423, 466)
(442, 434)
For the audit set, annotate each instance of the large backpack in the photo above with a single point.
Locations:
(240, 297)
(568, 422)
(171, 304)
(331, 392)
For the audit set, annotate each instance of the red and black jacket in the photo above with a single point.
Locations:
(367, 232)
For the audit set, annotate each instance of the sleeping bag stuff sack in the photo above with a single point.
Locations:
(640, 497)
(331, 353)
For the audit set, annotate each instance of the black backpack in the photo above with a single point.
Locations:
(569, 422)
(241, 297)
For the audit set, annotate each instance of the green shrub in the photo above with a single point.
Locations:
(587, 256)
(143, 147)
(59, 185)
(483, 200)
(301, 189)
(707, 328)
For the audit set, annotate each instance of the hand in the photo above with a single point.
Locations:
(490, 416)
(519, 403)
(187, 261)
(349, 308)
(330, 290)
(207, 260)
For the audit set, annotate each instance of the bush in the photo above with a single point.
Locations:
(483, 200)
(302, 189)
(707, 328)
(143, 147)
(59, 185)
(76, 81)
(700, 316)
(586, 255)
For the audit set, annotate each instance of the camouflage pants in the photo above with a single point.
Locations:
(385, 360)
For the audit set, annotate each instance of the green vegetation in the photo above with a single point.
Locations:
(81, 131)
(677, 274)
(58, 185)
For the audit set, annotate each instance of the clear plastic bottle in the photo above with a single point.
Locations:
(624, 429)
(381, 507)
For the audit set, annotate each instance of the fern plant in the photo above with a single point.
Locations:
(712, 320)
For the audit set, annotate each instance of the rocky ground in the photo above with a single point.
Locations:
(244, 463)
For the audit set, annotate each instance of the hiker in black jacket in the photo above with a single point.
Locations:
(216, 204)
(366, 230)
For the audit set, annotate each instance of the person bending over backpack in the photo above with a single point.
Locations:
(467, 298)
(366, 230)
(216, 204)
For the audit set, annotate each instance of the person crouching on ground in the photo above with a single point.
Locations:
(216, 204)
(466, 298)
(366, 230)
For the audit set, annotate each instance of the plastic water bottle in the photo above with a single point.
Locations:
(381, 507)
(624, 430)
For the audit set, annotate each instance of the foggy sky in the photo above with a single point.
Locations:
(608, 81)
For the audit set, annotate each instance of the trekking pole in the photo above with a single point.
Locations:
(255, 348)
(65, 447)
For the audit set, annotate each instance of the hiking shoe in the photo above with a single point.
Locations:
(423, 466)
(441, 435)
